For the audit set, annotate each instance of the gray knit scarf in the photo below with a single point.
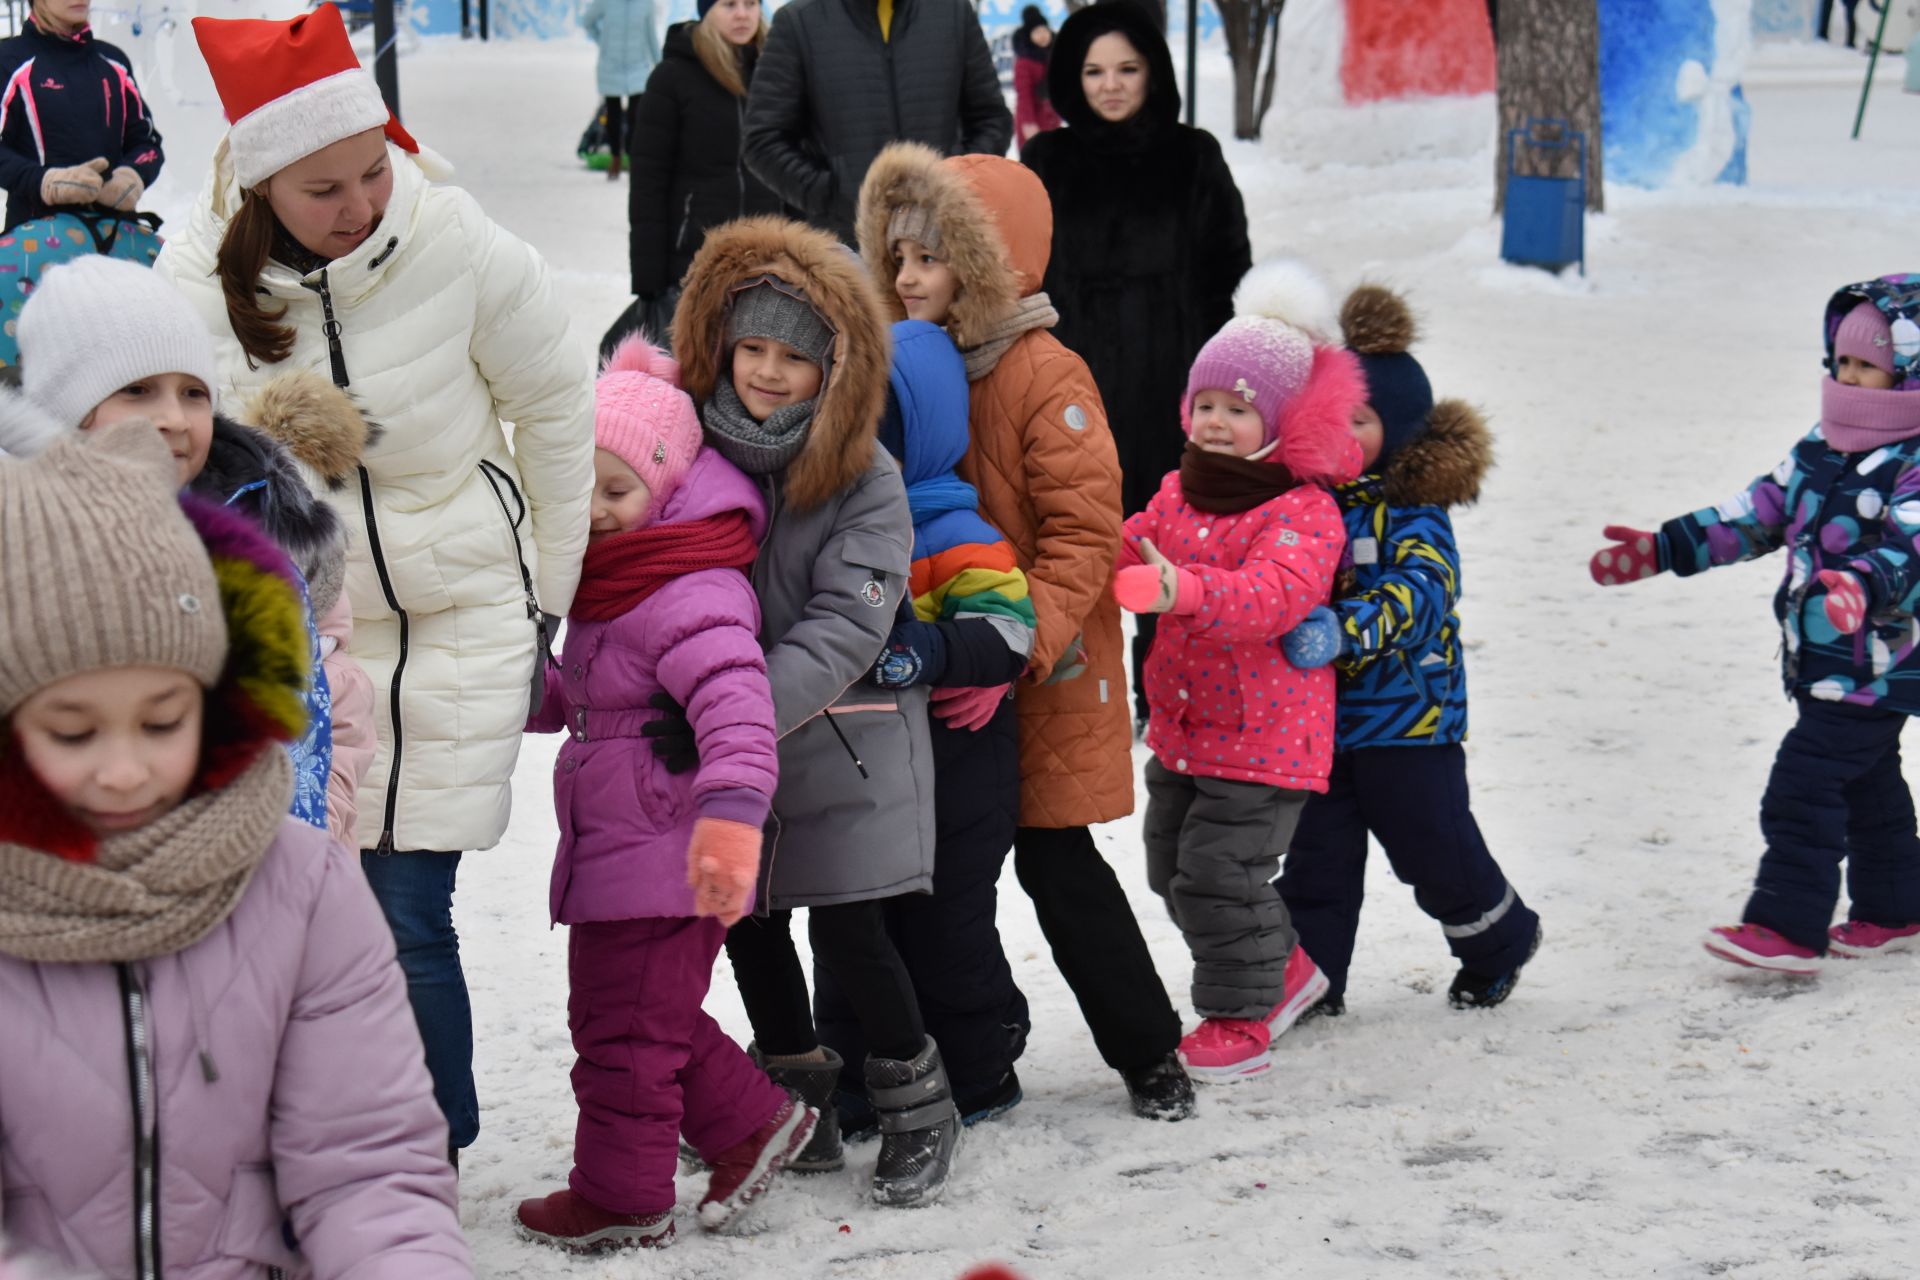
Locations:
(757, 448)
(150, 892)
(1035, 311)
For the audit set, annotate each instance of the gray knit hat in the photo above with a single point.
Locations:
(765, 308)
(95, 325)
(913, 222)
(99, 567)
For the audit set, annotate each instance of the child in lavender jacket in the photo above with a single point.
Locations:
(654, 865)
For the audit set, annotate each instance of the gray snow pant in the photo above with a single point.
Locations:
(1213, 849)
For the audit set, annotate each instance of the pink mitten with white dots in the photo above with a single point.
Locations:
(1845, 600)
(1636, 555)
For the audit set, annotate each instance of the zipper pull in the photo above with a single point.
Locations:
(851, 754)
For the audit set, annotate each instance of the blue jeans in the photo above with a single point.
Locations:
(1836, 794)
(415, 890)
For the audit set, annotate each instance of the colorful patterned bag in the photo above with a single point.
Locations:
(30, 248)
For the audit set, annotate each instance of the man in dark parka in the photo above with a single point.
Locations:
(836, 84)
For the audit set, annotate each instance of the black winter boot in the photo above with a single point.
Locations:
(919, 1127)
(814, 1082)
(1160, 1090)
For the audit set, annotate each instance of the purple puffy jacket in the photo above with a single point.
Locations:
(624, 820)
(291, 1093)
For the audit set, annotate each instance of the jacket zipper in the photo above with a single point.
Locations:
(739, 158)
(490, 471)
(393, 689)
(686, 216)
(146, 1126)
(893, 89)
(331, 328)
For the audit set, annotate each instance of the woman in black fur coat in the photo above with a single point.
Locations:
(1149, 236)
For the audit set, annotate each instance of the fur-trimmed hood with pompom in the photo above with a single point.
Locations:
(1444, 463)
(846, 416)
(995, 227)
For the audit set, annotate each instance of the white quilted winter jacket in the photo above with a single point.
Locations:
(447, 326)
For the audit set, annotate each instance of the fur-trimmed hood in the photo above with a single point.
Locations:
(840, 440)
(1444, 465)
(317, 422)
(996, 230)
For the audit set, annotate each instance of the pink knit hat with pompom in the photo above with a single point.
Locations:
(1280, 354)
(642, 417)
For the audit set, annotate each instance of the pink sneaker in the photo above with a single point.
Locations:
(1758, 947)
(1858, 939)
(1225, 1050)
(1300, 989)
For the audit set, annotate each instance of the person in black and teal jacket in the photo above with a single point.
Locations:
(1844, 506)
(1393, 632)
(970, 626)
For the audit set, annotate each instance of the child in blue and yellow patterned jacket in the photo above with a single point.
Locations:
(1399, 770)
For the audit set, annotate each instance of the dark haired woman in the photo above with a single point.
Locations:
(1149, 237)
(685, 142)
(319, 243)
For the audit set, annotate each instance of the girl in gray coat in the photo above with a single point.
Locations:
(782, 341)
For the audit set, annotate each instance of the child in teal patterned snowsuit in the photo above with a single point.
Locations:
(1845, 505)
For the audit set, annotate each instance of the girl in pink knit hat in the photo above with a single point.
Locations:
(1234, 550)
(658, 857)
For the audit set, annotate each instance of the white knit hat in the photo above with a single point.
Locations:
(96, 324)
(290, 88)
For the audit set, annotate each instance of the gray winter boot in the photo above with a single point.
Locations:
(814, 1082)
(919, 1127)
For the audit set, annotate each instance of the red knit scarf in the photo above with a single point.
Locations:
(623, 569)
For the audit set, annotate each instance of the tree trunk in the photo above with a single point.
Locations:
(1549, 65)
(1273, 66)
(1251, 27)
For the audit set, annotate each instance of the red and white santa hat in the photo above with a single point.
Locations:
(290, 88)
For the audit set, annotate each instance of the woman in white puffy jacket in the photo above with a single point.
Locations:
(320, 242)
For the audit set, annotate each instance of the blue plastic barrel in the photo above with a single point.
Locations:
(1545, 218)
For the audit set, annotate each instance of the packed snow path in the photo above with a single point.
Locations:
(1638, 1109)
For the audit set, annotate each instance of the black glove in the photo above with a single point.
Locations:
(671, 736)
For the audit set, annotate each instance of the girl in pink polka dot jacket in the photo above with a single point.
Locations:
(1238, 546)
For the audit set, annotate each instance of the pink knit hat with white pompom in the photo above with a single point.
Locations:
(642, 417)
(1280, 353)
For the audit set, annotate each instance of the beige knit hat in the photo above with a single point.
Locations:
(99, 567)
(913, 222)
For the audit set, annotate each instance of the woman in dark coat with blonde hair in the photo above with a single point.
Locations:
(685, 143)
(1149, 235)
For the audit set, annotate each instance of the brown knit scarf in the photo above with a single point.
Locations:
(1035, 311)
(150, 892)
(1223, 485)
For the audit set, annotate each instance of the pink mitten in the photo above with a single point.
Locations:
(1845, 600)
(968, 708)
(1146, 588)
(1636, 556)
(723, 860)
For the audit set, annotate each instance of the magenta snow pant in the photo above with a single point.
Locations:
(652, 1065)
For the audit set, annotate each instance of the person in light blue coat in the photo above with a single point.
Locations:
(629, 41)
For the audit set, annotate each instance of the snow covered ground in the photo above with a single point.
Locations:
(1638, 1109)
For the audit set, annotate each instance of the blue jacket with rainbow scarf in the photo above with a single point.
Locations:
(972, 623)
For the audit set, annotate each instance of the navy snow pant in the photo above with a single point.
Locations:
(949, 940)
(1414, 802)
(1836, 793)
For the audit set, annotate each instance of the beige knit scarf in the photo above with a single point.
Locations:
(1035, 311)
(149, 892)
